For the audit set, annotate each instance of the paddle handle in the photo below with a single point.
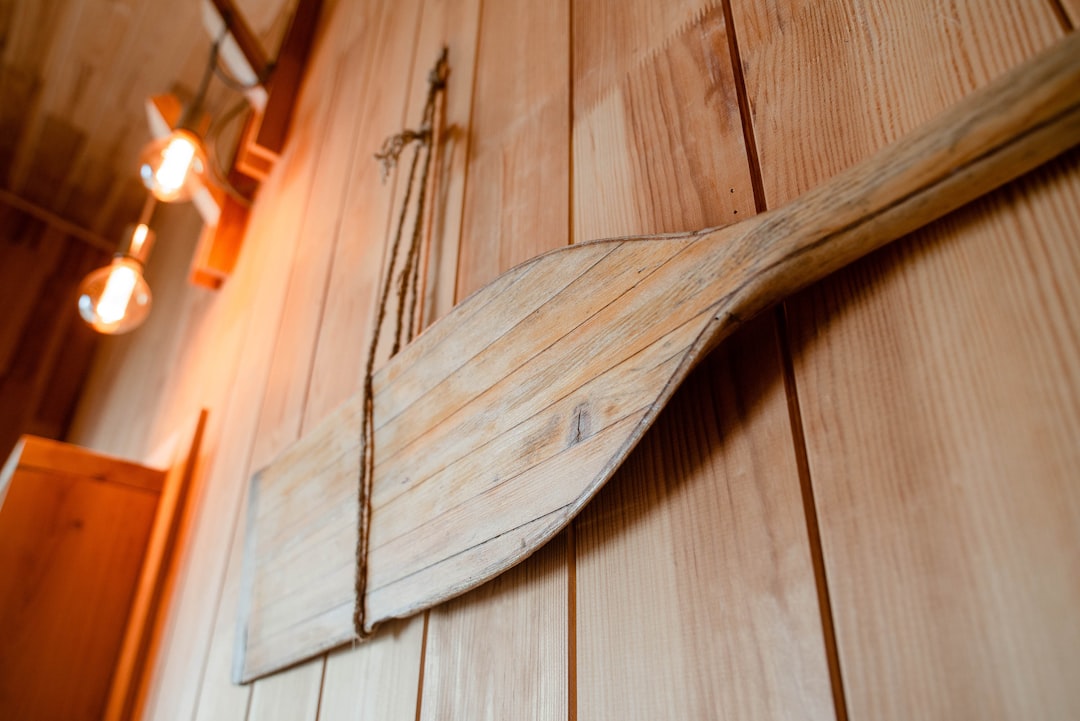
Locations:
(1012, 125)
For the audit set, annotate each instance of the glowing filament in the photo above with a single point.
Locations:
(113, 304)
(175, 163)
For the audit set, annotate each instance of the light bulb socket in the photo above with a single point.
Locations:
(136, 244)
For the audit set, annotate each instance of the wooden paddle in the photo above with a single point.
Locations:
(497, 425)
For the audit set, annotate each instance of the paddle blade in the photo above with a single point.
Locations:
(496, 426)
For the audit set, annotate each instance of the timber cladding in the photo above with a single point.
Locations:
(861, 506)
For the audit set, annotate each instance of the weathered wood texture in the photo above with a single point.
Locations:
(289, 391)
(73, 532)
(352, 192)
(937, 380)
(495, 652)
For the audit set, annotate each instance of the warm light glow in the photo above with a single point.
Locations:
(116, 298)
(172, 167)
(117, 294)
(175, 164)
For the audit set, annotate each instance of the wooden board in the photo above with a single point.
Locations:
(657, 131)
(937, 380)
(379, 678)
(194, 672)
(705, 520)
(504, 649)
(43, 454)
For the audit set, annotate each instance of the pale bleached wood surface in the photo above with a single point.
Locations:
(501, 651)
(497, 426)
(380, 678)
(937, 380)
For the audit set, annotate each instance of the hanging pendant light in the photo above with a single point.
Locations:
(174, 167)
(116, 299)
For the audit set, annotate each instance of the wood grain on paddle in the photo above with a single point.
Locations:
(521, 403)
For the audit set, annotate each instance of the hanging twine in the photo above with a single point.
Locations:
(407, 290)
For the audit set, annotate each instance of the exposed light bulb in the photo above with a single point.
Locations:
(170, 166)
(116, 299)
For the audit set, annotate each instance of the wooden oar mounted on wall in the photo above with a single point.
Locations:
(496, 426)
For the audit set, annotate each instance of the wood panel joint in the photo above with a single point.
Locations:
(813, 531)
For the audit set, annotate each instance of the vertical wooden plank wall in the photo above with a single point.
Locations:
(362, 214)
(938, 380)
(501, 651)
(696, 552)
(924, 402)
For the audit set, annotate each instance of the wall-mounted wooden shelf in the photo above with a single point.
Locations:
(85, 539)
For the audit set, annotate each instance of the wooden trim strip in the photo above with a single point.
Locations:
(128, 677)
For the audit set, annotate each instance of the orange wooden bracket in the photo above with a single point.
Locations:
(264, 133)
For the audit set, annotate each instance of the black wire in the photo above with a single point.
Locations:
(213, 133)
(233, 83)
(192, 109)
